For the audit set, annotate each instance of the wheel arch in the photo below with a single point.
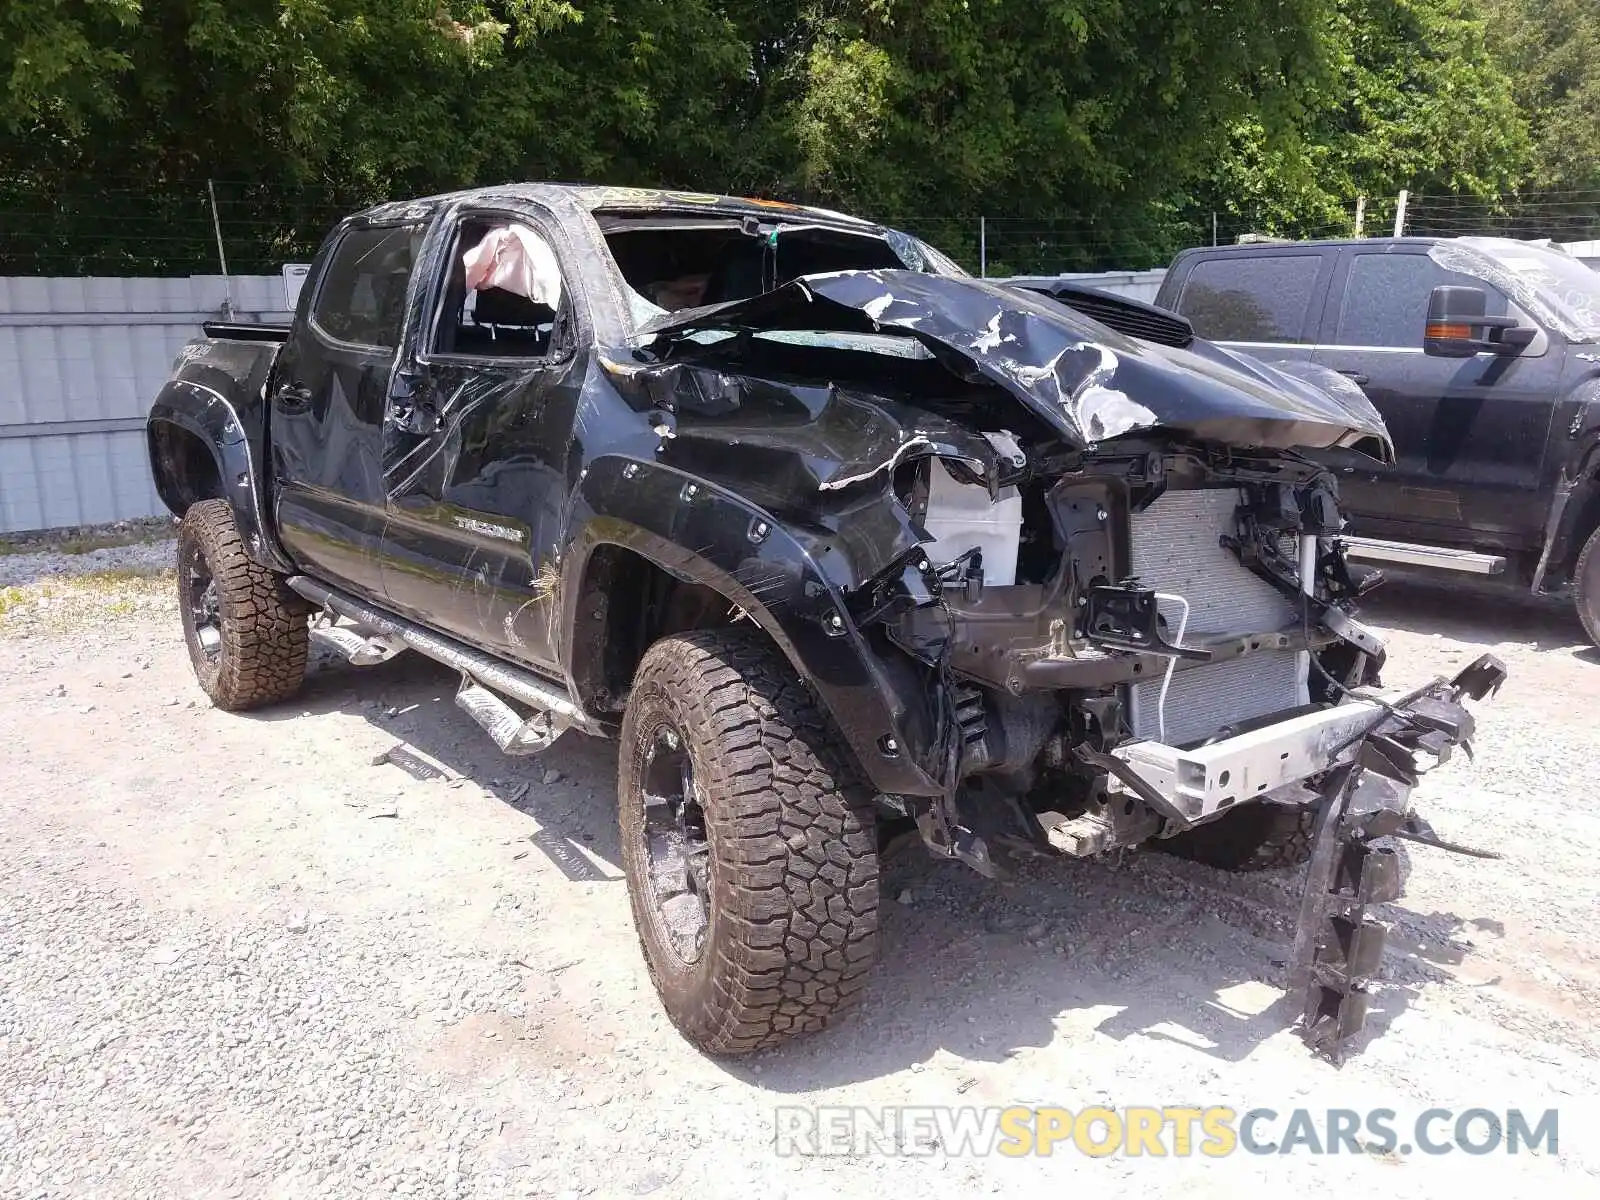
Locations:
(200, 449)
(644, 535)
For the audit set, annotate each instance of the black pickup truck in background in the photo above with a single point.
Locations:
(1482, 354)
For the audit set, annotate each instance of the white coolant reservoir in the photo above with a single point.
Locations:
(961, 517)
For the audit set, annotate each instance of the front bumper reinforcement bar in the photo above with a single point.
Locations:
(1360, 761)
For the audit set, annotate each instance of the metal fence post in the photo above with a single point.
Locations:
(222, 255)
(983, 247)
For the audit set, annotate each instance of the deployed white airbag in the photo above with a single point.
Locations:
(515, 259)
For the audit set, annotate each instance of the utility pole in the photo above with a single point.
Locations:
(983, 248)
(1400, 214)
(1361, 216)
(1213, 228)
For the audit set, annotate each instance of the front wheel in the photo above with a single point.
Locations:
(1586, 590)
(246, 631)
(749, 843)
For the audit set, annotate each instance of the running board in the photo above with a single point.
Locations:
(513, 733)
(1440, 559)
(356, 647)
(483, 674)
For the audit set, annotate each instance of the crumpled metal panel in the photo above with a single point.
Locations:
(1088, 382)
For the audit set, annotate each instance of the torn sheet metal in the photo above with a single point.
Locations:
(1086, 381)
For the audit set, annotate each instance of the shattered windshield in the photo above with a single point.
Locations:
(1549, 283)
(674, 261)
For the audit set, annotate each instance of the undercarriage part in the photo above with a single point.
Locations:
(1257, 837)
(359, 649)
(481, 668)
(953, 840)
(1338, 947)
(1106, 826)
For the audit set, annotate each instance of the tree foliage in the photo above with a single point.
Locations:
(1551, 48)
(1121, 123)
(1412, 99)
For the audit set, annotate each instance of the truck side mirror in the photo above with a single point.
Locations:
(1459, 326)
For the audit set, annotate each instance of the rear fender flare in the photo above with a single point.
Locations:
(704, 534)
(211, 417)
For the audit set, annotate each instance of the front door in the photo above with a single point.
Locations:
(477, 460)
(328, 393)
(1469, 434)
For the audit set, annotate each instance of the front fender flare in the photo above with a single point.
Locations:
(212, 418)
(778, 576)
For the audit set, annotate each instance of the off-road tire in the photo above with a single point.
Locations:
(793, 864)
(1586, 587)
(1259, 837)
(262, 657)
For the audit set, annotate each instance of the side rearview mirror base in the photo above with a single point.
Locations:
(1459, 326)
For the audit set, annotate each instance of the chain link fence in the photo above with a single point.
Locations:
(129, 228)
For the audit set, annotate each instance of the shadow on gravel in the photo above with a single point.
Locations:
(1159, 949)
(1477, 613)
(1154, 947)
(411, 699)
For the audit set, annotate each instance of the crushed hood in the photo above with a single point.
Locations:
(1088, 382)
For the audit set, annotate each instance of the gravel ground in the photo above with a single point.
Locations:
(21, 568)
(247, 956)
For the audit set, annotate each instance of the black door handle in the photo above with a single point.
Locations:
(1356, 377)
(294, 397)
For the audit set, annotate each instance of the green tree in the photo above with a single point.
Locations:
(1412, 100)
(1551, 49)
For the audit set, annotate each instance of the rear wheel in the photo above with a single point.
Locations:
(1259, 837)
(1586, 579)
(245, 629)
(749, 843)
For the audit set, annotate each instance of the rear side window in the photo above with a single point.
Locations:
(362, 297)
(1251, 299)
(1386, 299)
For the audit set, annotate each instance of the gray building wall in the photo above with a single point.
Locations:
(80, 362)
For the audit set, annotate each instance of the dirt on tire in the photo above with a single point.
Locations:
(262, 657)
(793, 844)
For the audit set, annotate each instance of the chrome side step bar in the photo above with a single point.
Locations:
(512, 732)
(357, 648)
(488, 675)
(1440, 559)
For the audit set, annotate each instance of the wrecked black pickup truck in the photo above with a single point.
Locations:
(841, 543)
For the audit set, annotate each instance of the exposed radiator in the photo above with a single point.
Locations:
(1176, 548)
